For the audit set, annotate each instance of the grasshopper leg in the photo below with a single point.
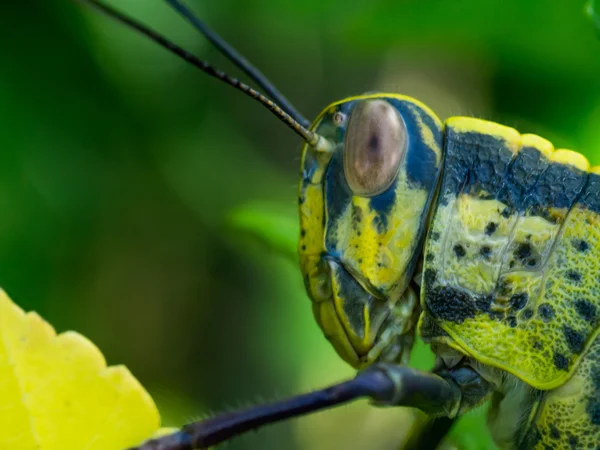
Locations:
(385, 385)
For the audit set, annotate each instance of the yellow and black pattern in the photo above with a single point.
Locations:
(568, 417)
(358, 254)
(512, 259)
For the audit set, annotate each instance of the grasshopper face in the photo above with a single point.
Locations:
(363, 213)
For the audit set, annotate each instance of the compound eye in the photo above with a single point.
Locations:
(374, 146)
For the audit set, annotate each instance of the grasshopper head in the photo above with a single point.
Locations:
(364, 205)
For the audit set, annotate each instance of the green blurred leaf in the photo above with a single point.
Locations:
(592, 9)
(273, 225)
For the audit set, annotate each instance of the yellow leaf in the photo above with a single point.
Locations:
(56, 392)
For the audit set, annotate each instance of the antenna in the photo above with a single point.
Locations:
(316, 141)
(232, 55)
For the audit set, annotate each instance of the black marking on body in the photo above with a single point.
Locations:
(593, 411)
(523, 251)
(527, 314)
(575, 339)
(595, 377)
(512, 321)
(580, 245)
(421, 161)
(559, 186)
(554, 433)
(491, 228)
(380, 222)
(429, 276)
(477, 163)
(383, 203)
(560, 361)
(430, 329)
(435, 236)
(429, 257)
(454, 305)
(459, 251)
(590, 198)
(573, 442)
(337, 197)
(356, 217)
(518, 301)
(354, 300)
(522, 176)
(573, 275)
(485, 251)
(546, 312)
(525, 255)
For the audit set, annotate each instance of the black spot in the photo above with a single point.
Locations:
(429, 276)
(573, 441)
(485, 251)
(491, 228)
(373, 145)
(429, 257)
(497, 315)
(580, 245)
(538, 345)
(360, 260)
(585, 309)
(560, 361)
(380, 222)
(573, 275)
(302, 232)
(523, 252)
(595, 377)
(546, 312)
(532, 438)
(527, 314)
(454, 305)
(518, 301)
(304, 247)
(506, 213)
(554, 433)
(459, 251)
(575, 339)
(357, 216)
(435, 236)
(531, 262)
(512, 321)
(300, 200)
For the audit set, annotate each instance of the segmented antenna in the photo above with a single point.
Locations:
(313, 139)
(234, 56)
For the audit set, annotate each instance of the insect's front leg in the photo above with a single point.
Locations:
(446, 394)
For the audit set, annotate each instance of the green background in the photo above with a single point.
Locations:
(153, 209)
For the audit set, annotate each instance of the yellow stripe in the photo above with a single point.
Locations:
(425, 108)
(533, 140)
(572, 158)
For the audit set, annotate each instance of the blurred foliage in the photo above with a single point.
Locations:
(592, 10)
(124, 174)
